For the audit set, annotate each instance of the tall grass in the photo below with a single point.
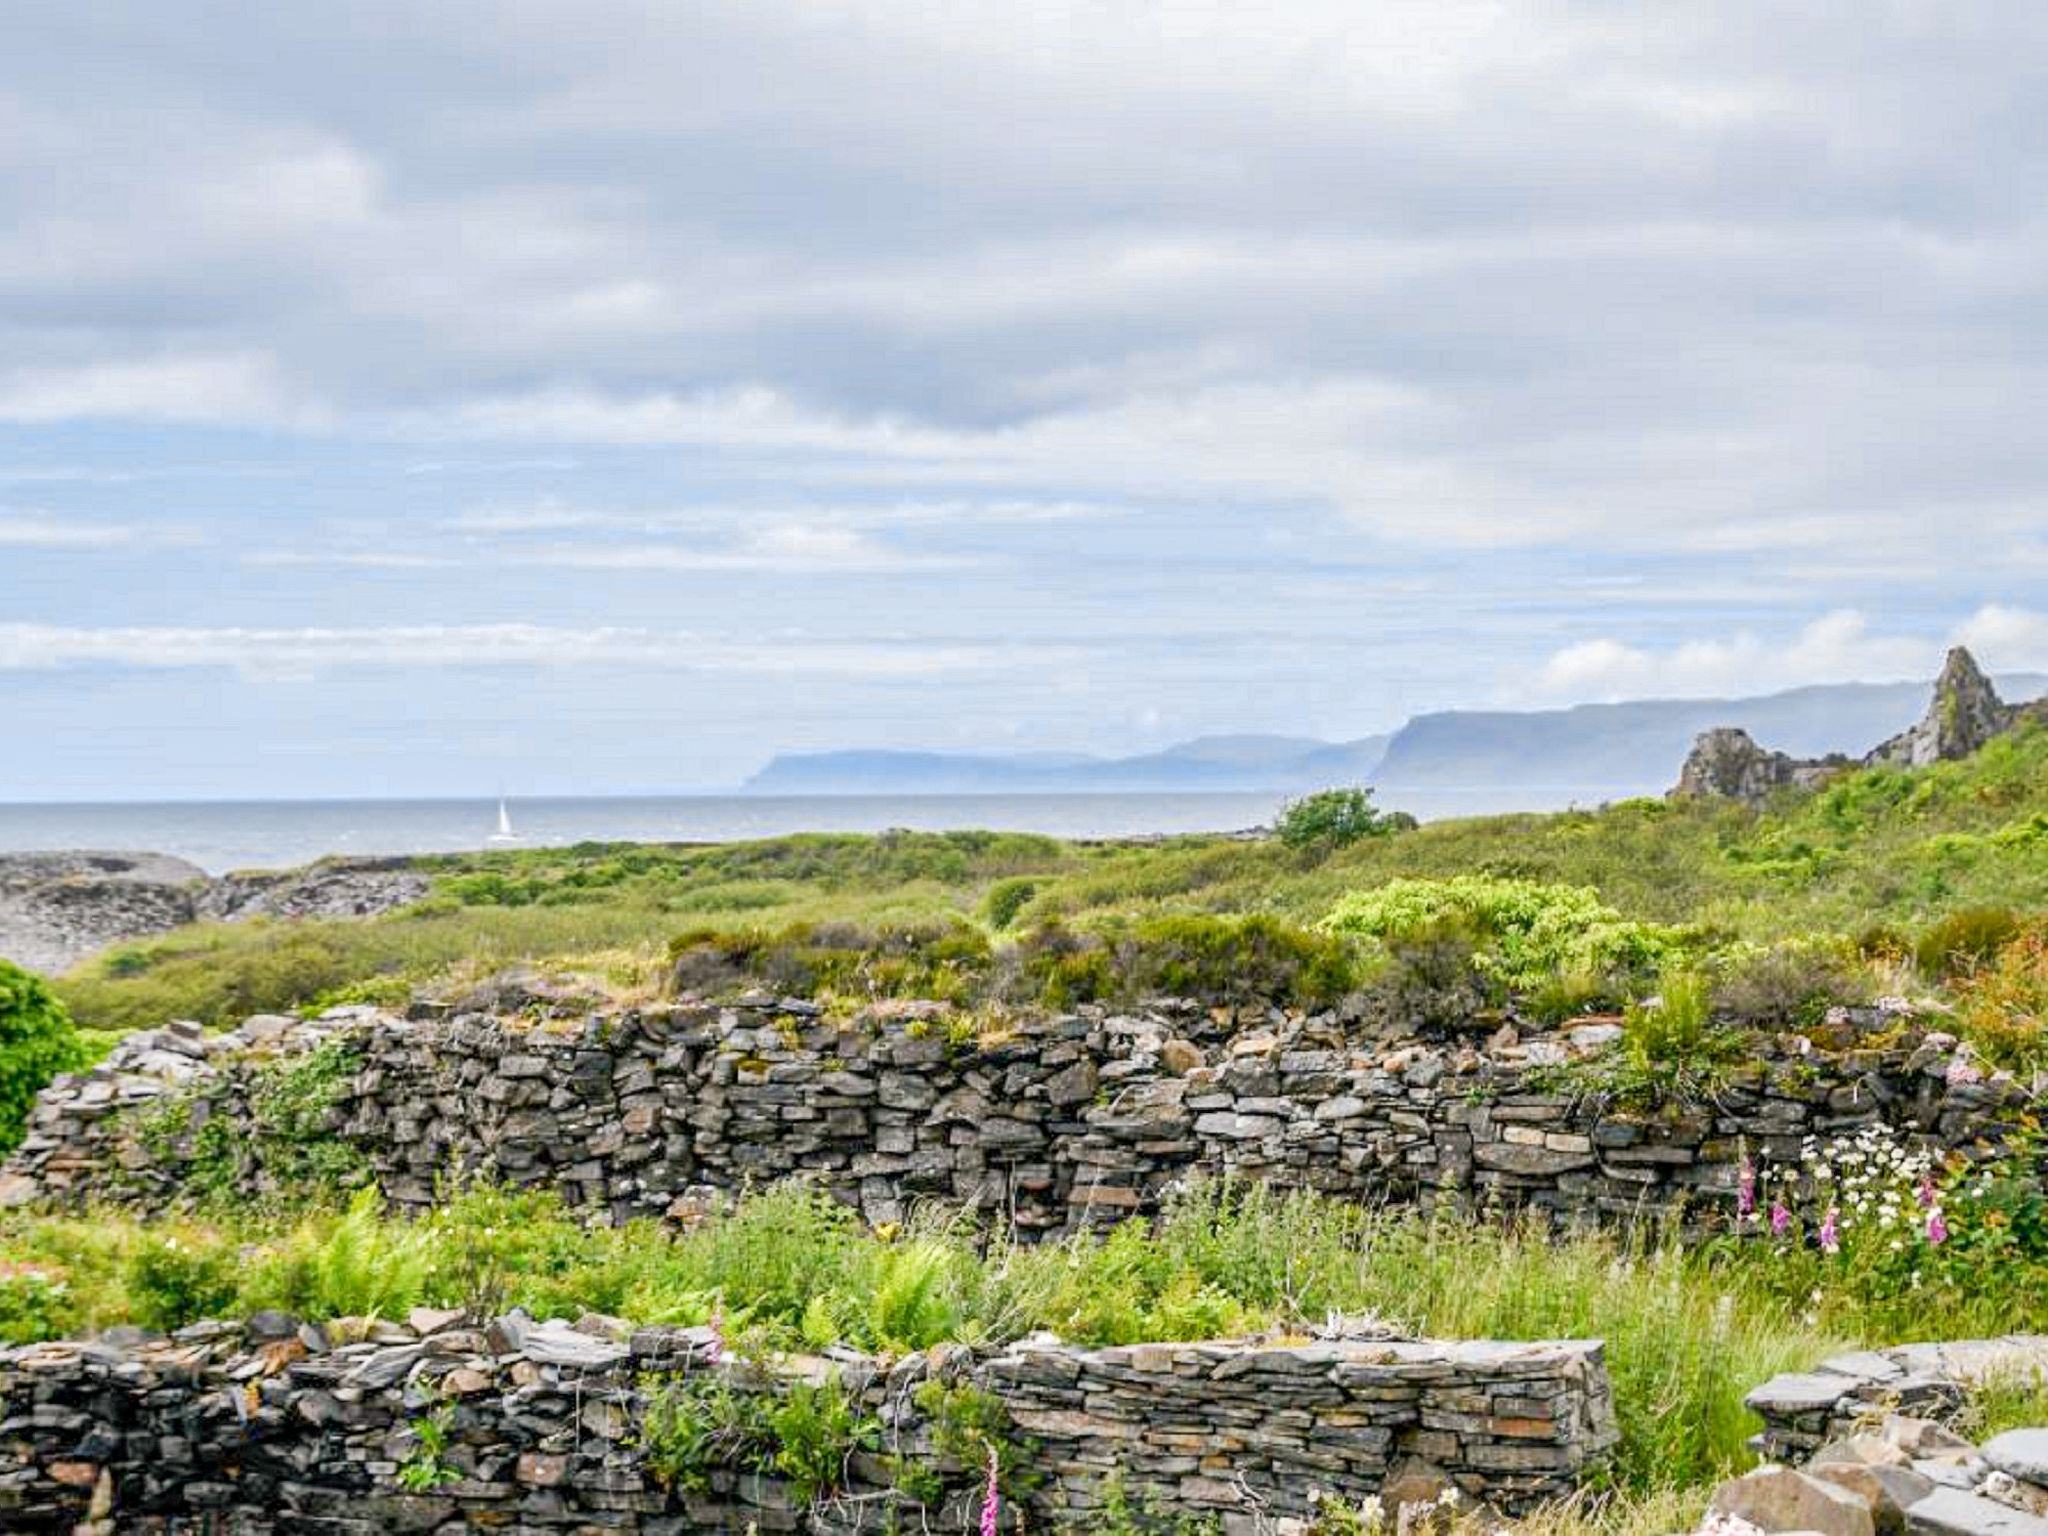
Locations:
(1686, 1336)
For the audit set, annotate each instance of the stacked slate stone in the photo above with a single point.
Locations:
(278, 1427)
(1062, 1122)
(1221, 1429)
(1805, 1410)
(1897, 1476)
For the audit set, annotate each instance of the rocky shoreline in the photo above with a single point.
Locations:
(59, 908)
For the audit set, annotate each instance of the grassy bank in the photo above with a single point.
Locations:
(1872, 863)
(1689, 1330)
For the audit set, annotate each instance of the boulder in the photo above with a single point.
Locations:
(1779, 1499)
(1886, 1491)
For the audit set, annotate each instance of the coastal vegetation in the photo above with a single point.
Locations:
(1887, 878)
(37, 1041)
(1692, 925)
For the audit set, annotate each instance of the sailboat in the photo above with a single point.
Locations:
(504, 834)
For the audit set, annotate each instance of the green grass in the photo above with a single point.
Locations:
(1688, 1330)
(1885, 851)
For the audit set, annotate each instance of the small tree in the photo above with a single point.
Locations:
(1335, 817)
(37, 1041)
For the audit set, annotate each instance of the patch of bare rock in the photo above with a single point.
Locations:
(59, 908)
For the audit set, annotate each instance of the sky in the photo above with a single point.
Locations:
(577, 398)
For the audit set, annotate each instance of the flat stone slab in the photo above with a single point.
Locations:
(1800, 1392)
(1951, 1512)
(2020, 1453)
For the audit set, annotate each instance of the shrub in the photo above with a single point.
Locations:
(1524, 931)
(172, 1280)
(1966, 939)
(1431, 982)
(1335, 818)
(1006, 898)
(949, 961)
(37, 1041)
(1233, 959)
(1794, 982)
(2004, 1005)
(35, 1303)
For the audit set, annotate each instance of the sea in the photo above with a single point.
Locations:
(225, 835)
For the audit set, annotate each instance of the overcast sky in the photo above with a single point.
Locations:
(583, 397)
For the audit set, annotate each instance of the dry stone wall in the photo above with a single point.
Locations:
(277, 1428)
(1061, 1121)
(1805, 1410)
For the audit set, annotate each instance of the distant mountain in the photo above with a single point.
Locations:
(1221, 763)
(1456, 762)
(1474, 761)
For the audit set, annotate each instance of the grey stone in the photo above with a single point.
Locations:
(2020, 1453)
(1952, 1512)
(1780, 1499)
(1888, 1491)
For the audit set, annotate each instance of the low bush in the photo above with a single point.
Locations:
(1007, 898)
(1210, 956)
(1966, 939)
(1524, 932)
(181, 1276)
(2002, 1006)
(37, 1041)
(1336, 818)
(1794, 982)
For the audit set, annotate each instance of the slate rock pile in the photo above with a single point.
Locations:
(1898, 1476)
(1806, 1410)
(1062, 1121)
(274, 1426)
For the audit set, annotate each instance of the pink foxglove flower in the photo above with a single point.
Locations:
(1781, 1219)
(715, 1350)
(1745, 1191)
(1831, 1231)
(991, 1498)
(1937, 1227)
(1926, 1191)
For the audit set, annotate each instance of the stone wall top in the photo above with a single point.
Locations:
(1055, 1122)
(450, 1423)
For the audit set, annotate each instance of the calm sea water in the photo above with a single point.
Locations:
(269, 834)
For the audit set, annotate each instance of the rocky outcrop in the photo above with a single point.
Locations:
(1966, 712)
(1056, 1122)
(59, 908)
(1727, 764)
(447, 1424)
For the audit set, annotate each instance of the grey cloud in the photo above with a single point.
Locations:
(1464, 273)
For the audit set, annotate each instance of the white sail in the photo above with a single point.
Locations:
(504, 834)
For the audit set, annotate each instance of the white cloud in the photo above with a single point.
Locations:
(202, 387)
(1836, 647)
(783, 547)
(363, 559)
(35, 528)
(306, 651)
(45, 530)
(2006, 638)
